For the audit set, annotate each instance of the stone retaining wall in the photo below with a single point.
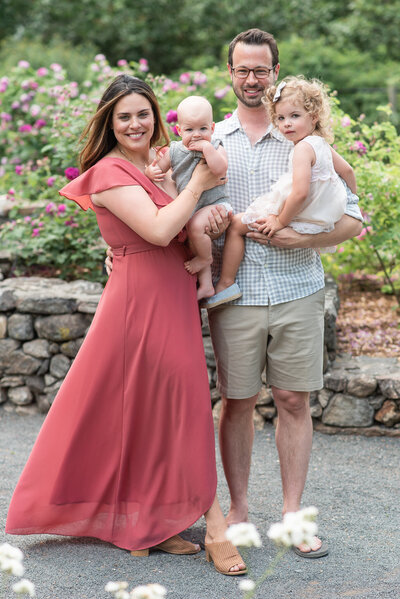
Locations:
(43, 323)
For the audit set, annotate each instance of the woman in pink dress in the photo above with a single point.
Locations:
(126, 453)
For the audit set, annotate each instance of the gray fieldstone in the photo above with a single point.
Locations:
(324, 396)
(3, 395)
(331, 308)
(361, 385)
(38, 348)
(17, 362)
(390, 386)
(59, 365)
(7, 299)
(71, 348)
(20, 327)
(346, 410)
(335, 380)
(63, 327)
(264, 397)
(11, 381)
(46, 305)
(267, 412)
(35, 383)
(209, 352)
(54, 348)
(315, 407)
(258, 421)
(44, 367)
(43, 403)
(376, 401)
(3, 326)
(87, 307)
(49, 380)
(20, 396)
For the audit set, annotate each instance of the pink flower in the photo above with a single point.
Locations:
(341, 249)
(27, 219)
(122, 62)
(71, 172)
(42, 72)
(5, 116)
(221, 93)
(99, 57)
(94, 67)
(228, 115)
(56, 67)
(33, 84)
(11, 191)
(40, 123)
(19, 169)
(185, 77)
(35, 110)
(62, 208)
(24, 64)
(174, 130)
(171, 116)
(4, 84)
(170, 85)
(25, 84)
(50, 207)
(35, 232)
(191, 88)
(346, 122)
(143, 65)
(15, 105)
(199, 78)
(25, 128)
(359, 147)
(50, 181)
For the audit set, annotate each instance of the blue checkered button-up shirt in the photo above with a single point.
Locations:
(267, 275)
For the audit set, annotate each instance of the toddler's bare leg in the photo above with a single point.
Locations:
(200, 242)
(233, 252)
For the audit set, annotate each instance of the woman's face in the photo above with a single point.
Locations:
(133, 122)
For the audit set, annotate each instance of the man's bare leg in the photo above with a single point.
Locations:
(294, 441)
(236, 435)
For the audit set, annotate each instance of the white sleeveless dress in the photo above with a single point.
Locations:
(326, 200)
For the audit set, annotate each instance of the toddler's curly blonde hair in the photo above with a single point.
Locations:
(311, 94)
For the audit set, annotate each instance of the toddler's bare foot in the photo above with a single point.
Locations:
(204, 291)
(196, 264)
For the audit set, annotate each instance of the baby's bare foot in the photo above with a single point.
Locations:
(197, 264)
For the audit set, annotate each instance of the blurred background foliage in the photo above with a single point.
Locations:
(352, 46)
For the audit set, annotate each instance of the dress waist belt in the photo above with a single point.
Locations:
(136, 249)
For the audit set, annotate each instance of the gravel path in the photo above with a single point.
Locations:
(354, 481)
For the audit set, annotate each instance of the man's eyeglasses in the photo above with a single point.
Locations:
(259, 72)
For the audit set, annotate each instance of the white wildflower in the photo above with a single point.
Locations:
(121, 594)
(243, 534)
(247, 585)
(296, 528)
(24, 587)
(141, 592)
(158, 590)
(11, 566)
(7, 550)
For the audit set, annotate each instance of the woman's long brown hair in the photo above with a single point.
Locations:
(100, 138)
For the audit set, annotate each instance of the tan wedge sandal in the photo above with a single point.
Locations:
(175, 545)
(225, 556)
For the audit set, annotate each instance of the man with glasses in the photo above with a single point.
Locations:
(279, 320)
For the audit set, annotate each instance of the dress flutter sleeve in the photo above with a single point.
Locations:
(105, 174)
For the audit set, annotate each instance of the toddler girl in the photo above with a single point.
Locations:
(196, 126)
(310, 197)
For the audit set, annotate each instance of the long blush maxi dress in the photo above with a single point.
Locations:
(126, 453)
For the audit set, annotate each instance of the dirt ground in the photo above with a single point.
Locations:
(368, 321)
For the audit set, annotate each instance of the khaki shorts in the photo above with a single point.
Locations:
(286, 339)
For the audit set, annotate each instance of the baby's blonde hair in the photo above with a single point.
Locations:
(311, 94)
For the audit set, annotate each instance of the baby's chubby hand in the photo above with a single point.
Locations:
(198, 145)
(153, 172)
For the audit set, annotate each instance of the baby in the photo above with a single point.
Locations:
(196, 126)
